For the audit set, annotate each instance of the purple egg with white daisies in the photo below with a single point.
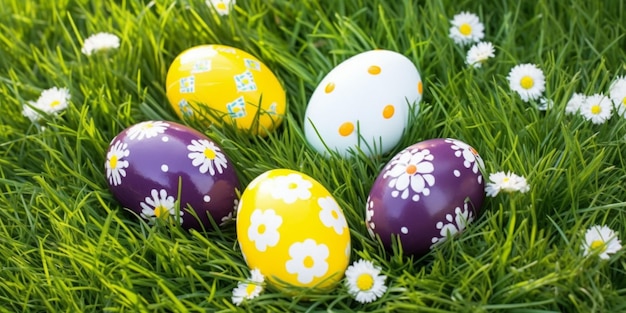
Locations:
(426, 193)
(164, 170)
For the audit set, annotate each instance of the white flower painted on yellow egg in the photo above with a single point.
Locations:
(331, 215)
(290, 188)
(308, 260)
(147, 130)
(411, 170)
(263, 229)
(115, 164)
(207, 156)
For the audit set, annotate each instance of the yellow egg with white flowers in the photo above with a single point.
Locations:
(217, 84)
(291, 228)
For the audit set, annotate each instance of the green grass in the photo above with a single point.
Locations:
(66, 245)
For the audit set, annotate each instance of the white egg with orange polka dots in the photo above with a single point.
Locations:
(292, 230)
(363, 104)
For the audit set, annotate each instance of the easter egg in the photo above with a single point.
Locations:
(363, 104)
(221, 84)
(426, 193)
(168, 171)
(292, 230)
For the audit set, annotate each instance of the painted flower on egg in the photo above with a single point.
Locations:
(263, 230)
(308, 260)
(291, 188)
(147, 130)
(207, 156)
(116, 163)
(331, 215)
(471, 158)
(451, 226)
(159, 205)
(411, 170)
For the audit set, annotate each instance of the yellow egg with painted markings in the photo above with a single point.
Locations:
(291, 228)
(224, 85)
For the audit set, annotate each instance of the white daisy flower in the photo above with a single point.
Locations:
(508, 182)
(308, 260)
(249, 289)
(411, 172)
(100, 42)
(575, 103)
(601, 240)
(207, 156)
(331, 215)
(54, 100)
(263, 229)
(479, 53)
(222, 7)
(545, 104)
(115, 163)
(466, 28)
(51, 101)
(597, 108)
(364, 281)
(159, 205)
(528, 81)
(617, 93)
(147, 129)
(290, 188)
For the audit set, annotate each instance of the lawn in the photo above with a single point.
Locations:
(68, 245)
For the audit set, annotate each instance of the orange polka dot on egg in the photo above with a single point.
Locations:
(329, 87)
(374, 70)
(346, 129)
(388, 111)
(420, 88)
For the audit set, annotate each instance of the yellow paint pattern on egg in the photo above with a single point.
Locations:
(374, 70)
(388, 111)
(217, 84)
(291, 229)
(346, 129)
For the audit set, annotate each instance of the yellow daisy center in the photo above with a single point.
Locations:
(624, 101)
(595, 109)
(54, 103)
(308, 262)
(250, 289)
(160, 211)
(365, 282)
(465, 29)
(598, 245)
(209, 153)
(506, 179)
(113, 161)
(221, 6)
(527, 82)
